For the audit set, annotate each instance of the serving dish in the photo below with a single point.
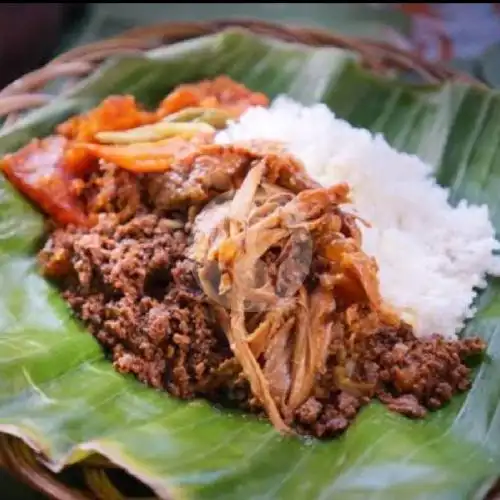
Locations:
(49, 405)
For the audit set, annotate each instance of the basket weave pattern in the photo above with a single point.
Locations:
(92, 477)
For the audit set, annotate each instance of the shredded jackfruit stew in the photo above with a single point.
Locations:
(224, 271)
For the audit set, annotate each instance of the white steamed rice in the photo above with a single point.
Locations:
(432, 257)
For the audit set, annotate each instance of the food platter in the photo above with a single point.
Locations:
(66, 400)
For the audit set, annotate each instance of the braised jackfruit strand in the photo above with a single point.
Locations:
(285, 352)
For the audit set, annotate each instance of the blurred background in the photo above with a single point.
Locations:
(464, 35)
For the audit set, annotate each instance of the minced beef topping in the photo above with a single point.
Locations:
(135, 292)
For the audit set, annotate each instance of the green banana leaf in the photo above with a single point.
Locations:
(59, 394)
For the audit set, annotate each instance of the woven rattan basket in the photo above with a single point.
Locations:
(96, 478)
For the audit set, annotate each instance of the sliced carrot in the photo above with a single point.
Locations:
(147, 156)
(221, 92)
(178, 99)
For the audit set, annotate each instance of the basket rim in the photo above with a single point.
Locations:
(27, 92)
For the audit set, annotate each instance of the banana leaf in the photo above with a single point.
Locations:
(61, 396)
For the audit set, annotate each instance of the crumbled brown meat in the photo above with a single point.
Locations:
(309, 412)
(111, 190)
(130, 284)
(431, 369)
(406, 405)
(410, 376)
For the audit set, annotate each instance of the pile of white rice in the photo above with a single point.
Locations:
(432, 257)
